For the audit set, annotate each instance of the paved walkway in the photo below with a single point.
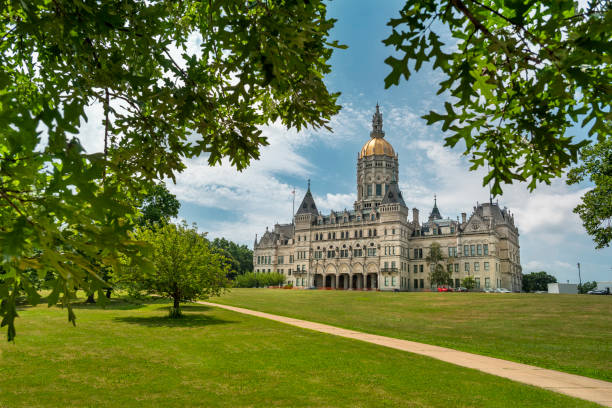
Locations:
(573, 385)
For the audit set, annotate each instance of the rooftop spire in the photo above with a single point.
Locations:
(308, 184)
(377, 123)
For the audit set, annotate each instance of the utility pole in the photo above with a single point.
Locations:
(579, 278)
(293, 205)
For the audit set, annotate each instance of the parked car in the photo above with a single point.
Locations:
(502, 290)
(461, 289)
(444, 289)
(488, 290)
(605, 291)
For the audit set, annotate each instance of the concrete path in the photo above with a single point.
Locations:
(573, 385)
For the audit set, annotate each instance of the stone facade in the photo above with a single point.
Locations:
(376, 246)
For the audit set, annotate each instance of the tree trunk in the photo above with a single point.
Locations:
(90, 298)
(108, 293)
(175, 312)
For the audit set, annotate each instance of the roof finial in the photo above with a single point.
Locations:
(308, 184)
(435, 201)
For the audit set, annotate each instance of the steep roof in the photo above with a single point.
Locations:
(308, 205)
(393, 195)
(435, 213)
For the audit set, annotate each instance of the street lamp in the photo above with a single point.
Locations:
(579, 278)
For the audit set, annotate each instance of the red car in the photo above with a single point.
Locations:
(444, 289)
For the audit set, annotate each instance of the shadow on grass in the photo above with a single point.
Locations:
(112, 304)
(188, 320)
(184, 308)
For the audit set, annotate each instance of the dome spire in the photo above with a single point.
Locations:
(377, 123)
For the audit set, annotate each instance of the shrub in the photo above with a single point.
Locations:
(259, 280)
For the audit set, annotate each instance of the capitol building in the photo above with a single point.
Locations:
(376, 245)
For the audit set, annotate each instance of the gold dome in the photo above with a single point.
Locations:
(377, 146)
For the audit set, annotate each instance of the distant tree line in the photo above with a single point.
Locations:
(536, 281)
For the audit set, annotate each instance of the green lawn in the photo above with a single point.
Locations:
(133, 356)
(565, 332)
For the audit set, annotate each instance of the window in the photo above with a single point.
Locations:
(416, 284)
(369, 190)
(486, 266)
(371, 251)
(374, 232)
(421, 269)
(487, 283)
(477, 281)
(472, 250)
(392, 264)
(485, 247)
(331, 254)
(329, 235)
(386, 281)
(358, 252)
(304, 268)
(378, 189)
(466, 267)
(457, 283)
(393, 281)
(421, 253)
(465, 250)
(479, 249)
(456, 267)
(393, 231)
(281, 259)
(476, 266)
(452, 230)
(290, 258)
(415, 268)
(449, 267)
(421, 283)
(452, 251)
(334, 235)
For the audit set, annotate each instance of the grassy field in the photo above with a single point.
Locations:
(564, 332)
(132, 355)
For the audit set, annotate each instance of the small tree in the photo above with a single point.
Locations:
(438, 275)
(537, 281)
(185, 267)
(586, 286)
(468, 282)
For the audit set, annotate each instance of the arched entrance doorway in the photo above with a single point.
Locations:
(372, 281)
(357, 281)
(330, 281)
(318, 281)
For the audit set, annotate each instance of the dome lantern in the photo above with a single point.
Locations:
(377, 145)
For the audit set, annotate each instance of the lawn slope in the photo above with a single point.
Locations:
(564, 332)
(132, 355)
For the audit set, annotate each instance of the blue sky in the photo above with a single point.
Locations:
(237, 205)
